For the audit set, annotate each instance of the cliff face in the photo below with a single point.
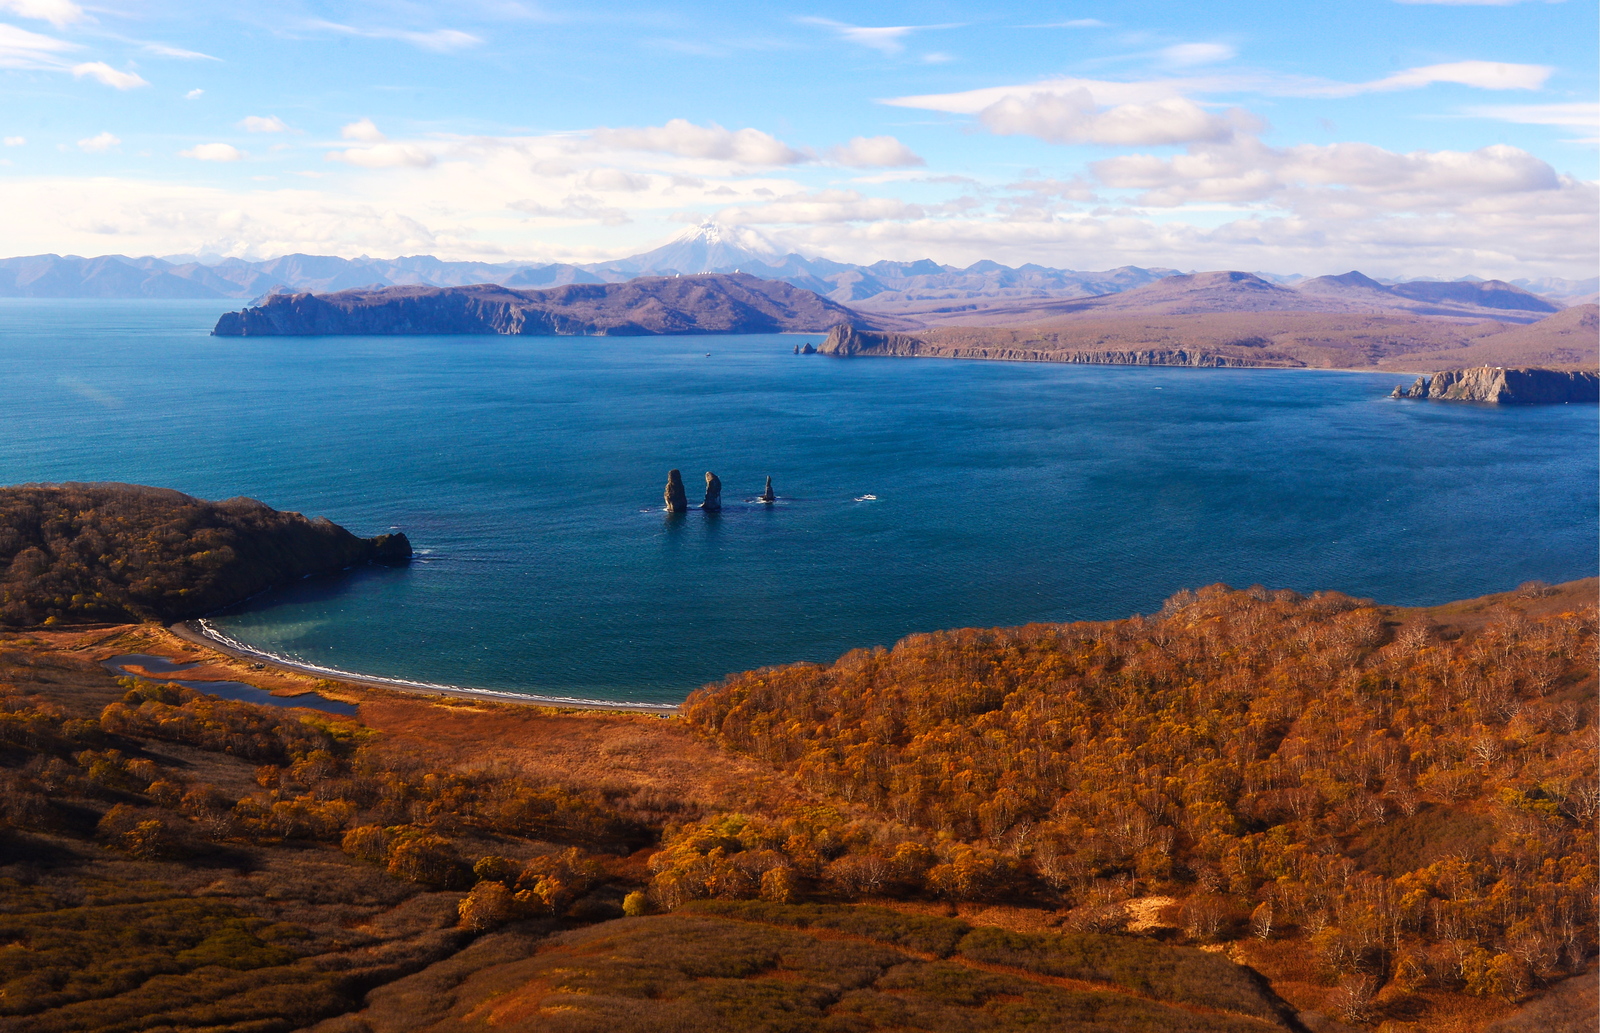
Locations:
(707, 304)
(1502, 386)
(123, 552)
(1012, 346)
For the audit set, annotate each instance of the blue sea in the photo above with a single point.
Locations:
(914, 494)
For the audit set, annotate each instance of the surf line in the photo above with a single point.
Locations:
(202, 630)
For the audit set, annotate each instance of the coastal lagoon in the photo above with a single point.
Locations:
(527, 472)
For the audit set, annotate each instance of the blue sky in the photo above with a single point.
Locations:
(1404, 139)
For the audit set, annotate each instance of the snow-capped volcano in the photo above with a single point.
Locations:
(710, 247)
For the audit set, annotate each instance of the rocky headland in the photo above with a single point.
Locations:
(77, 553)
(1568, 340)
(1502, 386)
(705, 304)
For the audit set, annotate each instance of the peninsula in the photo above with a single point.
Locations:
(1566, 340)
(712, 303)
(73, 553)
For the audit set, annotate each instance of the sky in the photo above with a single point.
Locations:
(1398, 138)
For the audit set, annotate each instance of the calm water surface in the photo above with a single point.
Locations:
(528, 474)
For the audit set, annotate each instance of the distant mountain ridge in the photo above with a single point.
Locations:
(889, 287)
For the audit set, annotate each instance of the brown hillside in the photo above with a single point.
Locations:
(1567, 339)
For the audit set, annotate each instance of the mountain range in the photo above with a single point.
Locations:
(922, 291)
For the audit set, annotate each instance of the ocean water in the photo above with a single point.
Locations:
(528, 474)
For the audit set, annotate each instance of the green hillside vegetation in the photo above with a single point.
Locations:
(72, 553)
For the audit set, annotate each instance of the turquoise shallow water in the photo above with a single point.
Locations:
(528, 473)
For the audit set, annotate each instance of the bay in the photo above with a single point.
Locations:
(528, 473)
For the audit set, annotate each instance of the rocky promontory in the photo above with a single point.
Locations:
(712, 303)
(1010, 345)
(1527, 385)
(76, 553)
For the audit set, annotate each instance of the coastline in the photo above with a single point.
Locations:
(199, 632)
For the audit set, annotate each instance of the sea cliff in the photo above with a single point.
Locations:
(75, 553)
(1506, 386)
(1012, 346)
(705, 304)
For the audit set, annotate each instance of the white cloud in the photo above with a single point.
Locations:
(213, 152)
(1074, 23)
(265, 124)
(1076, 118)
(875, 152)
(1184, 55)
(16, 141)
(580, 207)
(615, 181)
(1583, 116)
(1354, 175)
(441, 41)
(970, 102)
(164, 50)
(685, 139)
(364, 130)
(1485, 75)
(194, 95)
(20, 48)
(384, 156)
(59, 13)
(99, 143)
(886, 39)
(822, 206)
(110, 76)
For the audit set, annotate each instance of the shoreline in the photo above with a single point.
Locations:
(199, 632)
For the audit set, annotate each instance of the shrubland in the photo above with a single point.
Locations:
(1388, 813)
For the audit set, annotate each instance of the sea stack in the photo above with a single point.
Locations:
(713, 502)
(766, 494)
(677, 502)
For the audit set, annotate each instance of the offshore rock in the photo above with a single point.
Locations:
(677, 502)
(809, 349)
(767, 493)
(713, 502)
(1499, 385)
(391, 550)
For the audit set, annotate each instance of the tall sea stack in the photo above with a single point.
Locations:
(713, 502)
(766, 494)
(677, 502)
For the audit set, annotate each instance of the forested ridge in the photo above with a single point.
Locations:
(73, 553)
(1418, 809)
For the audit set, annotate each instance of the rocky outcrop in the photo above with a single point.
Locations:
(845, 341)
(713, 500)
(73, 553)
(767, 494)
(1528, 385)
(676, 500)
(712, 303)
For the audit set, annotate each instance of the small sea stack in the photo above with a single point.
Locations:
(767, 494)
(677, 501)
(713, 502)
